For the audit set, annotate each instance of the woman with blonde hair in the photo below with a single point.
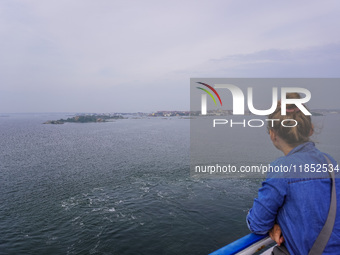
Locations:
(298, 209)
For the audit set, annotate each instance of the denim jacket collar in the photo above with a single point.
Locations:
(302, 147)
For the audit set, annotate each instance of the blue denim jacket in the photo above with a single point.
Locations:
(299, 205)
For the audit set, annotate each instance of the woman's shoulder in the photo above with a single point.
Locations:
(328, 156)
(278, 161)
(303, 164)
(288, 160)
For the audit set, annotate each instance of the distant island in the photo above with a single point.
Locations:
(86, 119)
(108, 117)
(94, 117)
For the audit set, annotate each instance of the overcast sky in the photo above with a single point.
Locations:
(127, 56)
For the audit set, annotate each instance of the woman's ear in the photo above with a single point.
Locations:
(272, 135)
(311, 132)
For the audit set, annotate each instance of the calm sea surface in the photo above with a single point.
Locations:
(117, 188)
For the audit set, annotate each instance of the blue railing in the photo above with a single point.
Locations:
(240, 244)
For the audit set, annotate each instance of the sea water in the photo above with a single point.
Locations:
(122, 187)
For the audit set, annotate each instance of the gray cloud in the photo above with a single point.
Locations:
(139, 55)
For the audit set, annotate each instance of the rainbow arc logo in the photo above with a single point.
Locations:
(209, 93)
